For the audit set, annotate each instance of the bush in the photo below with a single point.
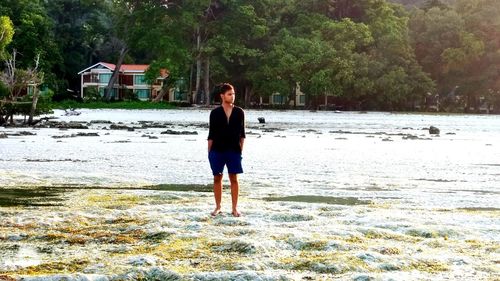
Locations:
(4, 92)
(91, 94)
(63, 96)
(129, 95)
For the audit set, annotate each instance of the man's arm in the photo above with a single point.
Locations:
(211, 131)
(242, 132)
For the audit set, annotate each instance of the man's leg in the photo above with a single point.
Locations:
(217, 194)
(235, 188)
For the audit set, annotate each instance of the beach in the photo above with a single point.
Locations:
(126, 194)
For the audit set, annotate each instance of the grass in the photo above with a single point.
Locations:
(112, 105)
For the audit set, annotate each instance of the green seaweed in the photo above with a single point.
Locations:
(180, 187)
(431, 266)
(70, 266)
(350, 201)
(38, 196)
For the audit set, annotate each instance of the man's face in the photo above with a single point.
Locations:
(228, 96)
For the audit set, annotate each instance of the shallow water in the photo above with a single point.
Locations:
(324, 195)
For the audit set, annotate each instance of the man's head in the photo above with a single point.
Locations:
(226, 92)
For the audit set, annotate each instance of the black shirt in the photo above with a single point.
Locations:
(226, 135)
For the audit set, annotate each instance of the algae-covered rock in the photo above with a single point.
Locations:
(158, 236)
(237, 276)
(327, 268)
(428, 266)
(119, 249)
(311, 245)
(430, 233)
(389, 251)
(235, 246)
(368, 257)
(232, 222)
(389, 267)
(67, 277)
(153, 274)
(363, 278)
(142, 260)
(292, 217)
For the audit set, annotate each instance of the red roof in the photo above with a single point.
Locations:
(141, 68)
(127, 67)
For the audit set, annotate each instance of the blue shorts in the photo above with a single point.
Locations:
(219, 159)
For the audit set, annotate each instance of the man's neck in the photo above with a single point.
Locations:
(227, 105)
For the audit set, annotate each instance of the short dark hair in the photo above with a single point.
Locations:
(221, 88)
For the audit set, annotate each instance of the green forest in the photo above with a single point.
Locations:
(366, 54)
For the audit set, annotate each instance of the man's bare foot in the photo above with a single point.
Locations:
(236, 213)
(215, 212)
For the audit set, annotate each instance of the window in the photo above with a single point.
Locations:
(104, 77)
(31, 90)
(113, 92)
(139, 80)
(278, 99)
(142, 94)
(302, 99)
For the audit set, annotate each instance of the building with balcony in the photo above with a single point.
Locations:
(131, 78)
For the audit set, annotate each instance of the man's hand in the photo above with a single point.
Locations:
(242, 141)
(210, 145)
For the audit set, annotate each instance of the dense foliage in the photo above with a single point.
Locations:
(368, 54)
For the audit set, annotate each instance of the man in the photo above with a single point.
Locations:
(225, 144)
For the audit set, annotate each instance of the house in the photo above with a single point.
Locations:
(279, 99)
(131, 79)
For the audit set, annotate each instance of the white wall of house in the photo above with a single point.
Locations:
(300, 97)
(100, 81)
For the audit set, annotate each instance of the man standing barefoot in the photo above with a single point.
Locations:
(225, 144)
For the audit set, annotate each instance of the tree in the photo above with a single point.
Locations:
(477, 63)
(130, 20)
(6, 34)
(458, 47)
(81, 28)
(357, 50)
(236, 54)
(34, 35)
(19, 80)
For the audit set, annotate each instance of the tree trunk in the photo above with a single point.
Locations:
(36, 94)
(190, 90)
(2, 120)
(198, 61)
(198, 77)
(164, 89)
(116, 72)
(206, 82)
(248, 95)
